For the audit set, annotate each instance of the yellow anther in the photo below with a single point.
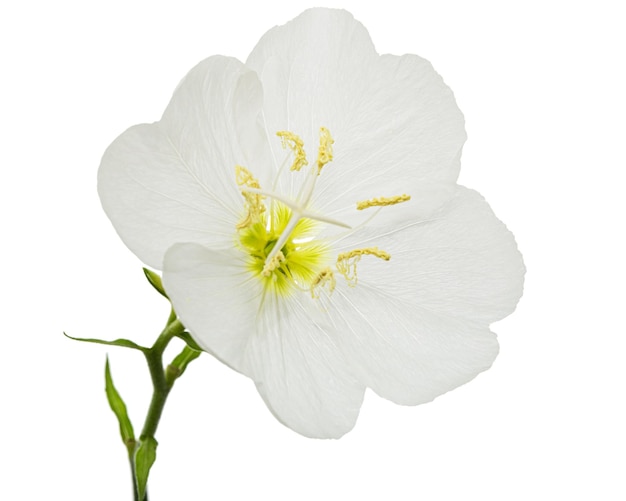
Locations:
(295, 144)
(347, 261)
(326, 278)
(325, 153)
(254, 202)
(273, 264)
(382, 201)
(245, 178)
(370, 251)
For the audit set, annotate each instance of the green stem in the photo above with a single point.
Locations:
(161, 389)
(154, 357)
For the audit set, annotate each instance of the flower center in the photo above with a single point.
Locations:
(280, 257)
(279, 236)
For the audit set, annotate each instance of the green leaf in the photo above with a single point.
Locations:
(155, 281)
(144, 459)
(126, 343)
(119, 409)
(185, 336)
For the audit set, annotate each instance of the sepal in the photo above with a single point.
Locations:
(180, 363)
(155, 281)
(185, 336)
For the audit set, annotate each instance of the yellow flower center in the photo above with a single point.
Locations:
(298, 260)
(279, 238)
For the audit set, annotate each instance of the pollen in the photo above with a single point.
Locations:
(326, 278)
(253, 201)
(325, 152)
(382, 201)
(295, 144)
(347, 261)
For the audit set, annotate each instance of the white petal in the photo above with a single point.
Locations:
(461, 262)
(282, 344)
(174, 180)
(407, 353)
(416, 326)
(299, 370)
(215, 297)
(307, 67)
(396, 125)
(406, 138)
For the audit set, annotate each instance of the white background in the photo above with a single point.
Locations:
(542, 86)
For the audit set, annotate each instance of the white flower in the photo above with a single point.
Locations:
(304, 210)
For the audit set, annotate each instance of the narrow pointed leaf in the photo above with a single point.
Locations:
(119, 409)
(125, 343)
(144, 459)
(155, 281)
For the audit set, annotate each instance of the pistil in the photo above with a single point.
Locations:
(279, 237)
(325, 155)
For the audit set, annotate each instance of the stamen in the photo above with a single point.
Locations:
(347, 261)
(326, 278)
(254, 201)
(382, 201)
(295, 144)
(325, 152)
(273, 263)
